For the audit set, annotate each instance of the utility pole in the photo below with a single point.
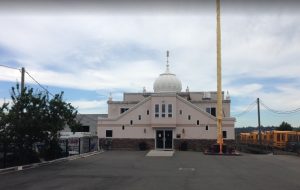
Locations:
(258, 117)
(219, 80)
(22, 80)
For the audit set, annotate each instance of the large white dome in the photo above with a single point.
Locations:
(167, 82)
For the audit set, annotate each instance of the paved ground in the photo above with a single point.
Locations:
(131, 170)
(160, 153)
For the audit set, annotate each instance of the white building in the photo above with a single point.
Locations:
(165, 118)
(88, 122)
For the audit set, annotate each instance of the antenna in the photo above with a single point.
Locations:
(168, 54)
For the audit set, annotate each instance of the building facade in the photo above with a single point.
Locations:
(89, 123)
(166, 118)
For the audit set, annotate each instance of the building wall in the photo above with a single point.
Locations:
(135, 96)
(170, 99)
(148, 132)
(114, 108)
(188, 129)
(137, 132)
(132, 114)
(186, 111)
(90, 120)
(200, 132)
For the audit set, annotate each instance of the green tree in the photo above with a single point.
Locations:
(284, 126)
(60, 114)
(4, 136)
(26, 119)
(35, 119)
(3, 123)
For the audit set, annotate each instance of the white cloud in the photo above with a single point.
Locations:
(79, 51)
(90, 106)
(247, 90)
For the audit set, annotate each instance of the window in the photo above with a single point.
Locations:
(131, 122)
(213, 111)
(123, 127)
(278, 137)
(208, 110)
(156, 110)
(169, 110)
(197, 122)
(140, 117)
(180, 112)
(147, 112)
(122, 110)
(163, 110)
(84, 128)
(189, 117)
(178, 136)
(224, 134)
(109, 133)
(206, 127)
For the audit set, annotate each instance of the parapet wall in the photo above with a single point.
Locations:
(134, 144)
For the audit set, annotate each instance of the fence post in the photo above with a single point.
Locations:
(89, 144)
(79, 145)
(67, 147)
(4, 155)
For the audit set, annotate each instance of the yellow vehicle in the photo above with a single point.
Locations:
(275, 139)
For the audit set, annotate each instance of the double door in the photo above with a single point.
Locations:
(164, 139)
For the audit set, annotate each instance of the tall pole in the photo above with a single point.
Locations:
(258, 117)
(219, 80)
(22, 79)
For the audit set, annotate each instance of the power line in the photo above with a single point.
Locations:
(9, 67)
(39, 84)
(53, 96)
(280, 112)
(248, 109)
(44, 88)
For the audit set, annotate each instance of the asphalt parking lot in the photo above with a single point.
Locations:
(185, 170)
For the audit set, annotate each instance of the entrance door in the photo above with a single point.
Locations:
(160, 139)
(164, 139)
(168, 139)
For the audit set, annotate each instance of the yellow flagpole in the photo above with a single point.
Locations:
(219, 80)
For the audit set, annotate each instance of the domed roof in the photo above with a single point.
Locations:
(167, 82)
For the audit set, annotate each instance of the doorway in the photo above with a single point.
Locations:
(164, 139)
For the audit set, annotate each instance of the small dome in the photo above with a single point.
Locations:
(167, 82)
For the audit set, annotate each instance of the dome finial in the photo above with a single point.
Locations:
(167, 69)
(167, 82)
(110, 96)
(227, 96)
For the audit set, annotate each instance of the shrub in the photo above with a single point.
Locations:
(143, 146)
(184, 146)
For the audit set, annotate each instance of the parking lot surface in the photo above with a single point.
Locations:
(132, 170)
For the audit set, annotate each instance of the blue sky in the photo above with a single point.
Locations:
(89, 55)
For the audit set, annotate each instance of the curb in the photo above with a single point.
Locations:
(45, 163)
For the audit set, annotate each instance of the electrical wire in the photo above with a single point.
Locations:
(9, 67)
(247, 110)
(44, 88)
(82, 115)
(39, 84)
(278, 111)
